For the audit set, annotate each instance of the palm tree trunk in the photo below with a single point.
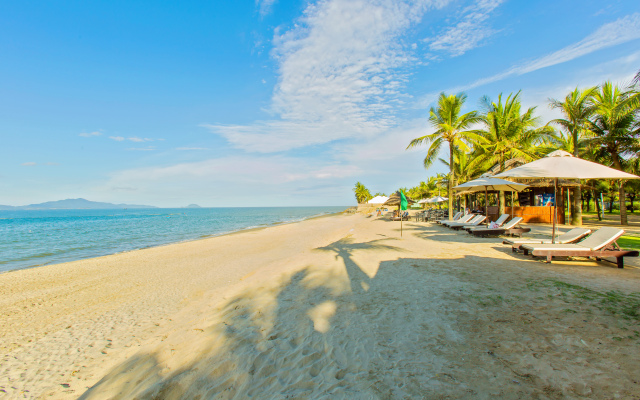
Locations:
(623, 205)
(502, 202)
(621, 194)
(451, 168)
(576, 209)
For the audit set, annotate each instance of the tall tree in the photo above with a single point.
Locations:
(451, 127)
(463, 169)
(576, 108)
(362, 193)
(508, 134)
(614, 130)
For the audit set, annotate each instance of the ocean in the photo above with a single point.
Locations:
(30, 238)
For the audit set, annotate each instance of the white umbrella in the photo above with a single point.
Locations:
(378, 200)
(489, 183)
(437, 199)
(563, 165)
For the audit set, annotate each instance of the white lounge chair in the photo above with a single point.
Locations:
(505, 229)
(474, 222)
(500, 221)
(456, 217)
(600, 244)
(464, 218)
(572, 236)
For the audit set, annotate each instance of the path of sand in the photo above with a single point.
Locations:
(339, 307)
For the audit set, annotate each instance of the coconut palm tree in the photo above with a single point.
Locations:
(463, 169)
(451, 127)
(362, 193)
(508, 134)
(615, 130)
(576, 108)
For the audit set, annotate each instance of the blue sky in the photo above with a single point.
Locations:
(272, 102)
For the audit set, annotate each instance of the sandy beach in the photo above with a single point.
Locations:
(334, 307)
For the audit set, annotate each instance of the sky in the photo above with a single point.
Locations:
(272, 102)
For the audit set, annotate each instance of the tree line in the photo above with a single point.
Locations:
(600, 124)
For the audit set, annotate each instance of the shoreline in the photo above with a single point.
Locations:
(176, 242)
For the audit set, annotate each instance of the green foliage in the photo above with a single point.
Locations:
(362, 193)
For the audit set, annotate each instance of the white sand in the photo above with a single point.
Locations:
(337, 307)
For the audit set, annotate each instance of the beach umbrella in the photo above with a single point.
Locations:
(399, 199)
(489, 183)
(563, 165)
(437, 199)
(378, 200)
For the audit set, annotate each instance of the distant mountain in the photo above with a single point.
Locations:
(193, 206)
(73, 204)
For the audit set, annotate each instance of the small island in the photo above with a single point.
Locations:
(193, 206)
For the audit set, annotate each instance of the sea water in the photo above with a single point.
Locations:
(30, 238)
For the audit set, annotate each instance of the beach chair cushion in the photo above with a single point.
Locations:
(596, 241)
(571, 236)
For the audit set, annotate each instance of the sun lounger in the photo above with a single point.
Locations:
(464, 218)
(456, 218)
(474, 222)
(500, 221)
(572, 236)
(461, 223)
(600, 244)
(506, 229)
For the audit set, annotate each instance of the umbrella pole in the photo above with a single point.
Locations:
(555, 212)
(486, 202)
(512, 204)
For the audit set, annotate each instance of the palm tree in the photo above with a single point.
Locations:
(463, 169)
(451, 127)
(615, 131)
(508, 134)
(362, 193)
(577, 108)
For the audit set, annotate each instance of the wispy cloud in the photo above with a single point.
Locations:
(90, 134)
(191, 148)
(148, 148)
(264, 6)
(469, 33)
(340, 75)
(611, 34)
(31, 164)
(132, 139)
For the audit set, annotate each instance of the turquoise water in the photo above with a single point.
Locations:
(39, 237)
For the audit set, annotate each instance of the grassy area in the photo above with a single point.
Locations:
(626, 306)
(629, 242)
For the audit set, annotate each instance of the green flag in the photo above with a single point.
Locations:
(403, 201)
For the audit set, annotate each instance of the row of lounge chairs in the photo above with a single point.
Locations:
(599, 244)
(578, 242)
(472, 224)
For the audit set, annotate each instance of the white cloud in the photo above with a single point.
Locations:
(191, 148)
(264, 6)
(469, 32)
(339, 75)
(611, 34)
(90, 134)
(29, 164)
(139, 140)
(117, 138)
(148, 148)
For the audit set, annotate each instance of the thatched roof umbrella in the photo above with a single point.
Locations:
(394, 200)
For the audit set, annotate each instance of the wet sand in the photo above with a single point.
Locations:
(338, 307)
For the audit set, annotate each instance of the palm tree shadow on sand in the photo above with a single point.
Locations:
(392, 335)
